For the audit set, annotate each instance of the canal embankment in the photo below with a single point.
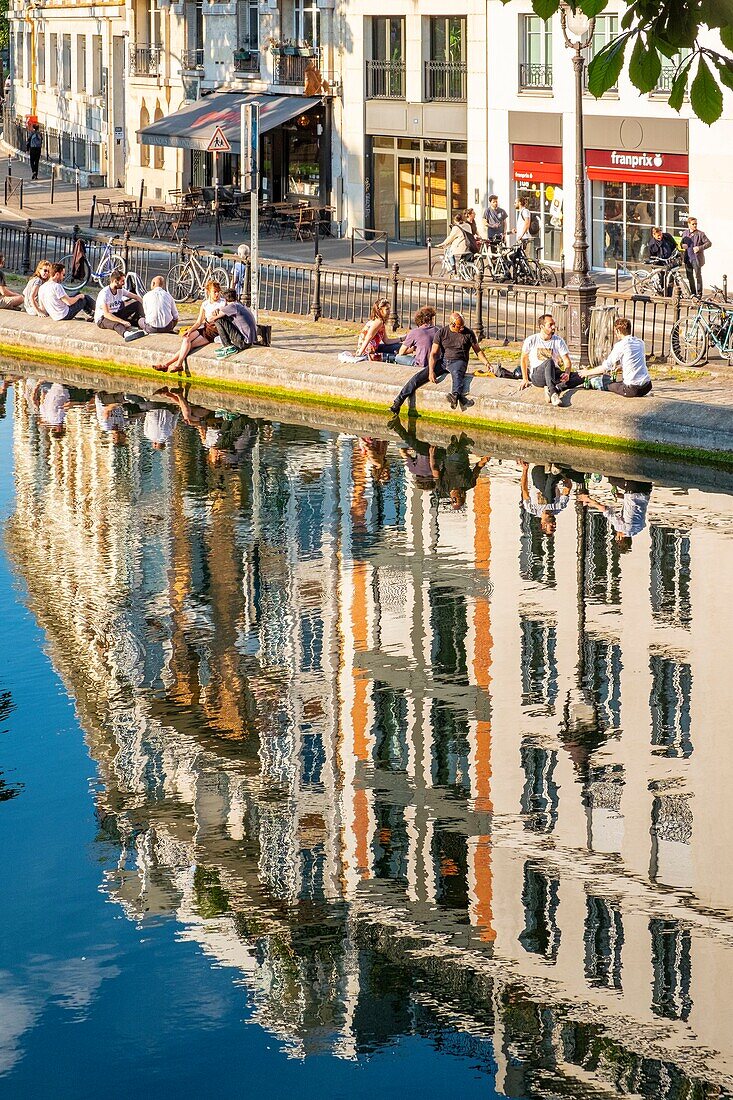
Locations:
(686, 418)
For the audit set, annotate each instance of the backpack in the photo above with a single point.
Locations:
(35, 141)
(534, 226)
(134, 284)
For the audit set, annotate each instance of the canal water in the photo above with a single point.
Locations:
(357, 766)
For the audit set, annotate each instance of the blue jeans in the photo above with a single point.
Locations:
(421, 378)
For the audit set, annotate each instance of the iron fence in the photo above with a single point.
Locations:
(445, 80)
(385, 79)
(535, 76)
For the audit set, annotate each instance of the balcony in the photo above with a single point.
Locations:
(192, 60)
(385, 79)
(289, 64)
(247, 61)
(146, 60)
(445, 80)
(535, 77)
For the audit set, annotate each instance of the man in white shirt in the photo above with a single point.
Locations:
(161, 313)
(118, 309)
(523, 218)
(543, 354)
(59, 305)
(630, 354)
(630, 519)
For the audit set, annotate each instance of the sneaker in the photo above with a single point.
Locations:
(452, 400)
(223, 353)
(556, 400)
(395, 408)
(217, 339)
(465, 403)
(132, 334)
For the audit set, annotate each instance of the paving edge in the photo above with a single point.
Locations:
(314, 387)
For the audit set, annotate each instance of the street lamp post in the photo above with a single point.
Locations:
(577, 30)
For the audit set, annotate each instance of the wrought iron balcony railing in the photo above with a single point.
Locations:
(385, 79)
(445, 80)
(535, 76)
(146, 60)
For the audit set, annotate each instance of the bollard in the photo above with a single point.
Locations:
(562, 269)
(430, 255)
(386, 255)
(725, 287)
(53, 181)
(21, 194)
(140, 203)
(78, 194)
(352, 246)
(316, 234)
(316, 299)
(26, 268)
(92, 211)
(126, 249)
(247, 289)
(395, 282)
(480, 331)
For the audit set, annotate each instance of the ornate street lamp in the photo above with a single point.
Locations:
(577, 30)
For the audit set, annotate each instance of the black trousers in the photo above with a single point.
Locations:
(420, 378)
(34, 155)
(230, 335)
(694, 278)
(630, 391)
(547, 374)
(84, 305)
(130, 311)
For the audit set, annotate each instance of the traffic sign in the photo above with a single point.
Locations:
(218, 143)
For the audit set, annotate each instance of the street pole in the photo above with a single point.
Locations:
(250, 157)
(581, 288)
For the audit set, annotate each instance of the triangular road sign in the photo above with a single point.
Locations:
(218, 143)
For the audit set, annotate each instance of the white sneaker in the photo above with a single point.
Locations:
(555, 399)
(217, 339)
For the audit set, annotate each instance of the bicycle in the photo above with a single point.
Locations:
(464, 269)
(661, 281)
(109, 263)
(191, 275)
(544, 275)
(691, 337)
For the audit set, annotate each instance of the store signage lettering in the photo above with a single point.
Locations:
(637, 160)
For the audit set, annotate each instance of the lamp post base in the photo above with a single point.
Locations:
(581, 294)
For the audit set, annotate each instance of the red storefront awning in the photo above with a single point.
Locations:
(637, 166)
(537, 163)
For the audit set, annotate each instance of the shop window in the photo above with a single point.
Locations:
(546, 201)
(158, 150)
(535, 51)
(81, 63)
(41, 65)
(675, 206)
(605, 30)
(144, 149)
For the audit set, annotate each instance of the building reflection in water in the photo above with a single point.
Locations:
(371, 724)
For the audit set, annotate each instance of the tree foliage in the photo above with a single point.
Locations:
(653, 30)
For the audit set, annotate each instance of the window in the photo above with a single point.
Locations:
(535, 66)
(97, 77)
(158, 150)
(65, 61)
(445, 72)
(248, 24)
(144, 149)
(670, 66)
(386, 67)
(19, 56)
(305, 22)
(53, 60)
(41, 64)
(81, 63)
(605, 30)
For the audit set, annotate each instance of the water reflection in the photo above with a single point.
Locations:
(403, 733)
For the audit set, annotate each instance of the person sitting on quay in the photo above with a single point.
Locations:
(159, 310)
(452, 345)
(236, 326)
(118, 309)
(202, 332)
(8, 300)
(630, 354)
(41, 275)
(415, 351)
(373, 342)
(543, 352)
(59, 305)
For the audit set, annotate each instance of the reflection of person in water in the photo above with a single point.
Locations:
(456, 475)
(52, 401)
(5, 385)
(111, 416)
(422, 460)
(630, 518)
(226, 436)
(547, 495)
(375, 455)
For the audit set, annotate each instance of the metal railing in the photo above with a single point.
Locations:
(535, 76)
(385, 79)
(445, 80)
(247, 61)
(289, 69)
(145, 60)
(191, 60)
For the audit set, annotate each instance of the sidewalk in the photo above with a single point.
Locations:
(692, 419)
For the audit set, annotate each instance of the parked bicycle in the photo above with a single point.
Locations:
(692, 336)
(661, 280)
(188, 279)
(511, 264)
(108, 263)
(464, 269)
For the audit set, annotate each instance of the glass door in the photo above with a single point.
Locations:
(436, 199)
(409, 199)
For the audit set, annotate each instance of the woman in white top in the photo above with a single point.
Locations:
(456, 243)
(31, 303)
(202, 331)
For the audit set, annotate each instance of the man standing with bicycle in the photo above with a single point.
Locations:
(661, 250)
(695, 244)
(496, 220)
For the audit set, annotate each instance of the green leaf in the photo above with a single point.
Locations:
(604, 69)
(705, 95)
(545, 8)
(716, 13)
(678, 89)
(725, 72)
(644, 66)
(592, 8)
(726, 37)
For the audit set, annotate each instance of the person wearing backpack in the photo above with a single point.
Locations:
(35, 144)
(523, 218)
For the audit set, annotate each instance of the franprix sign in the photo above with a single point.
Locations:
(637, 166)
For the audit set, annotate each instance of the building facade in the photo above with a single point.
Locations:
(421, 114)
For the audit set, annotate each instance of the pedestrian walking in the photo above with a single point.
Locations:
(453, 344)
(35, 145)
(629, 354)
(695, 244)
(546, 362)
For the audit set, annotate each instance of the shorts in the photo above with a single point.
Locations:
(209, 330)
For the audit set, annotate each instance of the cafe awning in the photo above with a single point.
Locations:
(193, 126)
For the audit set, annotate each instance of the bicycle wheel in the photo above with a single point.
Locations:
(220, 275)
(689, 341)
(467, 271)
(548, 277)
(640, 281)
(180, 282)
(71, 283)
(116, 263)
